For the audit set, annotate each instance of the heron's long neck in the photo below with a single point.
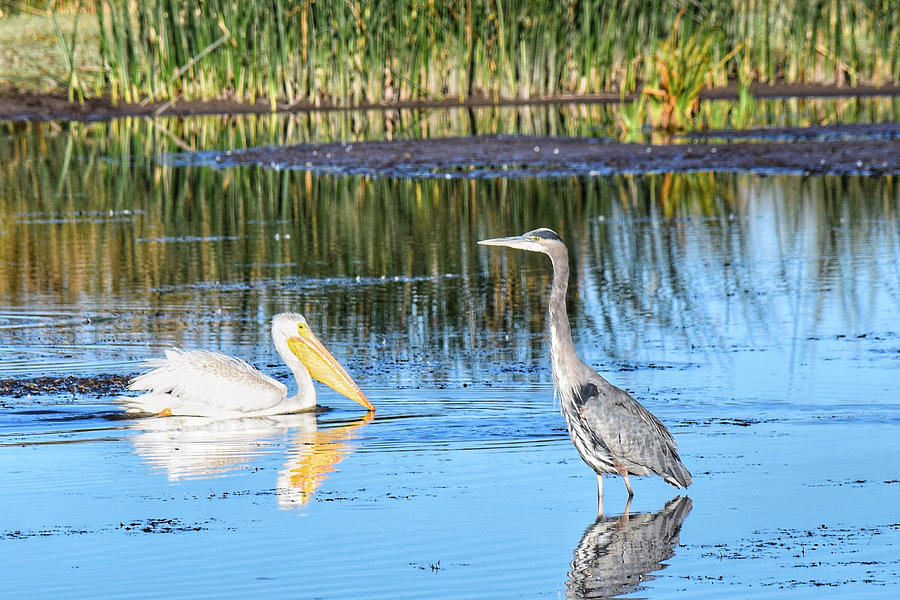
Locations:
(562, 348)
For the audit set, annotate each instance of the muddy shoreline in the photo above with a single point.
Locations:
(19, 105)
(858, 149)
(526, 156)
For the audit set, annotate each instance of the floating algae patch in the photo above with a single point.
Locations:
(138, 526)
(102, 385)
(834, 556)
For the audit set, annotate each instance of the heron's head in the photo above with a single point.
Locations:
(539, 240)
(291, 332)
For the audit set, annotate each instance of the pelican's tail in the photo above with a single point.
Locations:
(152, 403)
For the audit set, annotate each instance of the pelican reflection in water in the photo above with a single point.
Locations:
(312, 459)
(210, 384)
(617, 555)
(202, 447)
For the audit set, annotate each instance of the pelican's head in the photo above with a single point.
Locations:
(296, 342)
(539, 240)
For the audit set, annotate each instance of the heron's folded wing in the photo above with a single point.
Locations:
(632, 432)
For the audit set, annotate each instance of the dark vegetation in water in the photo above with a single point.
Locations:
(101, 385)
(136, 526)
(736, 421)
(820, 550)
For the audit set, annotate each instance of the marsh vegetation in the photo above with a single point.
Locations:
(286, 53)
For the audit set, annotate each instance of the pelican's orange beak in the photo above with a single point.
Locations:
(323, 366)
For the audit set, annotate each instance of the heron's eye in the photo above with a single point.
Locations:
(535, 238)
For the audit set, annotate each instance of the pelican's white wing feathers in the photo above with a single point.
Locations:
(199, 382)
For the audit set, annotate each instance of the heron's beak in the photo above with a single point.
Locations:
(516, 241)
(324, 367)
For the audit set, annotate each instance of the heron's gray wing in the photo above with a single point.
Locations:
(633, 435)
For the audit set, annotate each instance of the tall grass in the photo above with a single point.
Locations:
(68, 46)
(350, 52)
(684, 64)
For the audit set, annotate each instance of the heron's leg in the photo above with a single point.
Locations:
(599, 495)
(628, 486)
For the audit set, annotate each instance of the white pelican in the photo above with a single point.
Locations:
(210, 384)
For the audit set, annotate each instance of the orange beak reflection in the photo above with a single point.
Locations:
(324, 367)
(317, 458)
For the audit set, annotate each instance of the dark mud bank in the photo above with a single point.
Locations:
(876, 151)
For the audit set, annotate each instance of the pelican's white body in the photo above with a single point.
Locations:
(211, 384)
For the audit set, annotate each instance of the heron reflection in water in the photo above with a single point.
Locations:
(202, 447)
(612, 431)
(616, 555)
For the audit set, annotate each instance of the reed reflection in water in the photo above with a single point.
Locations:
(155, 256)
(617, 555)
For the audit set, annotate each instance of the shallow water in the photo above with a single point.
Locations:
(756, 316)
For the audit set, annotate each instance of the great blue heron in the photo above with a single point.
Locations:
(210, 384)
(611, 430)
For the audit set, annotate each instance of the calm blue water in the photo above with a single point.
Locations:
(756, 316)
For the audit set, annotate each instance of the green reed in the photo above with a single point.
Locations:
(684, 64)
(352, 52)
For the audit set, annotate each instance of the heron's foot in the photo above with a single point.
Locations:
(166, 412)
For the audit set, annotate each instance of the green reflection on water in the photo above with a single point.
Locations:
(92, 223)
